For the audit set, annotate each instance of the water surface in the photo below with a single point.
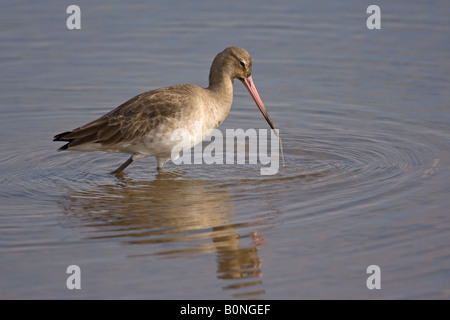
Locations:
(365, 121)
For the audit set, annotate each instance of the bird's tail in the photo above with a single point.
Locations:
(80, 136)
(61, 137)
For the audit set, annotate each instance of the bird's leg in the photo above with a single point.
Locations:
(161, 161)
(123, 166)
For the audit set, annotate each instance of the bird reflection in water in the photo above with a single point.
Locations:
(178, 217)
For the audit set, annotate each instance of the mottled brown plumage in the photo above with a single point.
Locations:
(143, 125)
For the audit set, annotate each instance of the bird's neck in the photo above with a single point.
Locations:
(221, 85)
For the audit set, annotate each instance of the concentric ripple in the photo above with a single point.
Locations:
(224, 209)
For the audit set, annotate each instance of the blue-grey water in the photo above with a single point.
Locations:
(365, 121)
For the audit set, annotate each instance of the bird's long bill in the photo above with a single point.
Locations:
(248, 83)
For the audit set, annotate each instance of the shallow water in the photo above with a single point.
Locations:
(365, 122)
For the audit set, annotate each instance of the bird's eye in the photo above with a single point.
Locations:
(242, 63)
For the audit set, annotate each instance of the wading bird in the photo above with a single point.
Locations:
(143, 125)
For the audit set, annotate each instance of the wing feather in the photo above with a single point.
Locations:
(131, 120)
